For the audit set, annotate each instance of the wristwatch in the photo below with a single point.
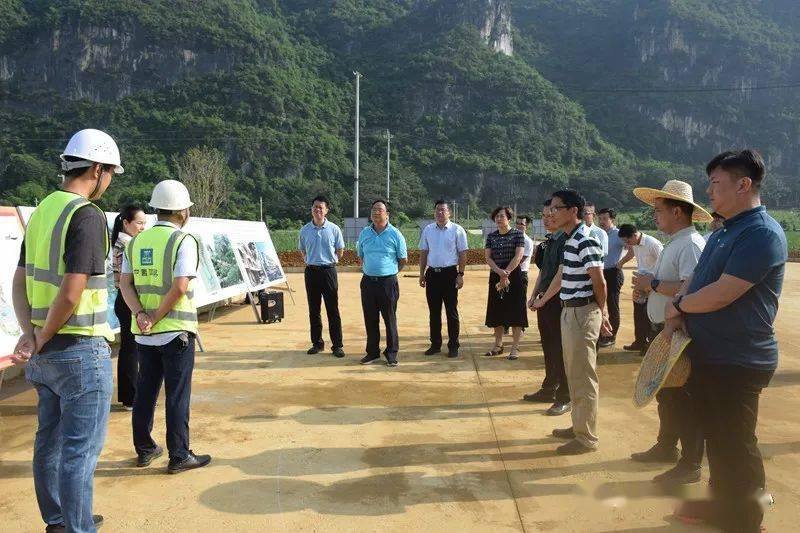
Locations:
(676, 303)
(654, 283)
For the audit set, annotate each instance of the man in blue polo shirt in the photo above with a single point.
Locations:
(322, 245)
(728, 307)
(382, 250)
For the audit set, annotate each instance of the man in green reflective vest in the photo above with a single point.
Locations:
(61, 302)
(157, 272)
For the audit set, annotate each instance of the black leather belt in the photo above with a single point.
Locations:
(320, 267)
(577, 302)
(443, 269)
(379, 278)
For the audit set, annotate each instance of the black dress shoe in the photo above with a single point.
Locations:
(192, 461)
(97, 519)
(314, 350)
(633, 347)
(391, 360)
(540, 396)
(369, 359)
(605, 342)
(679, 475)
(452, 353)
(574, 447)
(558, 409)
(433, 351)
(338, 352)
(657, 454)
(567, 433)
(144, 459)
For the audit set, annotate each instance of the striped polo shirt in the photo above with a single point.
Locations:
(581, 252)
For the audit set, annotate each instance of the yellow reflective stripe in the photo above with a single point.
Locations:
(47, 276)
(98, 317)
(189, 316)
(58, 229)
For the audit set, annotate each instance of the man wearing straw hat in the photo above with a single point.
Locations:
(728, 308)
(675, 211)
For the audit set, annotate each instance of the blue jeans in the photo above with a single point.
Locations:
(74, 387)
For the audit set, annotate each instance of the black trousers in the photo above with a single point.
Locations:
(173, 364)
(440, 288)
(379, 296)
(548, 319)
(615, 278)
(726, 399)
(678, 421)
(128, 360)
(641, 324)
(323, 283)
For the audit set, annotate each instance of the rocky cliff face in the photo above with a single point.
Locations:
(101, 63)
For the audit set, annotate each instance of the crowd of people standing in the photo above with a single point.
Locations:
(722, 291)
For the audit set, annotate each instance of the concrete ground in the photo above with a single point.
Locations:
(314, 443)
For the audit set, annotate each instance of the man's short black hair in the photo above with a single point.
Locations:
(75, 172)
(526, 218)
(441, 202)
(571, 198)
(742, 164)
(626, 231)
(322, 199)
(608, 211)
(506, 209)
(380, 201)
(547, 202)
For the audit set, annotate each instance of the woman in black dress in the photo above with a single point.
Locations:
(506, 305)
(128, 224)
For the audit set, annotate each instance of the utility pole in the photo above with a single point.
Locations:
(358, 103)
(388, 160)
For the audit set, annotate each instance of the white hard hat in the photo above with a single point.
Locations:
(91, 146)
(171, 195)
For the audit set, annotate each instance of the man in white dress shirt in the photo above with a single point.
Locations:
(442, 259)
(523, 222)
(647, 250)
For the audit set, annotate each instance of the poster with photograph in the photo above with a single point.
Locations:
(256, 254)
(220, 274)
(11, 233)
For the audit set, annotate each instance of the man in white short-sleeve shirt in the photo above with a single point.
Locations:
(647, 250)
(443, 256)
(675, 212)
(523, 222)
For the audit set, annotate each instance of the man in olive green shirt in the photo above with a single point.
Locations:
(548, 317)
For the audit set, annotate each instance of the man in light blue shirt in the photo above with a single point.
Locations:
(322, 245)
(612, 271)
(382, 250)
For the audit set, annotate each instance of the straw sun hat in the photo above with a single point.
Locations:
(664, 365)
(675, 190)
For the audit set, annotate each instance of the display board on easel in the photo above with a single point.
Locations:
(10, 241)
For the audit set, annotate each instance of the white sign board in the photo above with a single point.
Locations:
(10, 242)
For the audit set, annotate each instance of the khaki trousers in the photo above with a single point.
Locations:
(580, 329)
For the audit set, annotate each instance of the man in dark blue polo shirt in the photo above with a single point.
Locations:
(728, 307)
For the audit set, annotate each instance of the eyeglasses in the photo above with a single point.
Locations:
(557, 207)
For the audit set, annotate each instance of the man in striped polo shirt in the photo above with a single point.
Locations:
(583, 319)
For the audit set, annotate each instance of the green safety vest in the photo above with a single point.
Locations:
(45, 239)
(152, 255)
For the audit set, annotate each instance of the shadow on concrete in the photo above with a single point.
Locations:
(352, 415)
(785, 379)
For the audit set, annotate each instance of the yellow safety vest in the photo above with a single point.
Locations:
(45, 239)
(152, 255)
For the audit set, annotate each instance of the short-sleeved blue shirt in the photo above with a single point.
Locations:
(751, 246)
(380, 252)
(320, 243)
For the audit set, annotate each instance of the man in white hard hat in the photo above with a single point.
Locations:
(60, 299)
(157, 272)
